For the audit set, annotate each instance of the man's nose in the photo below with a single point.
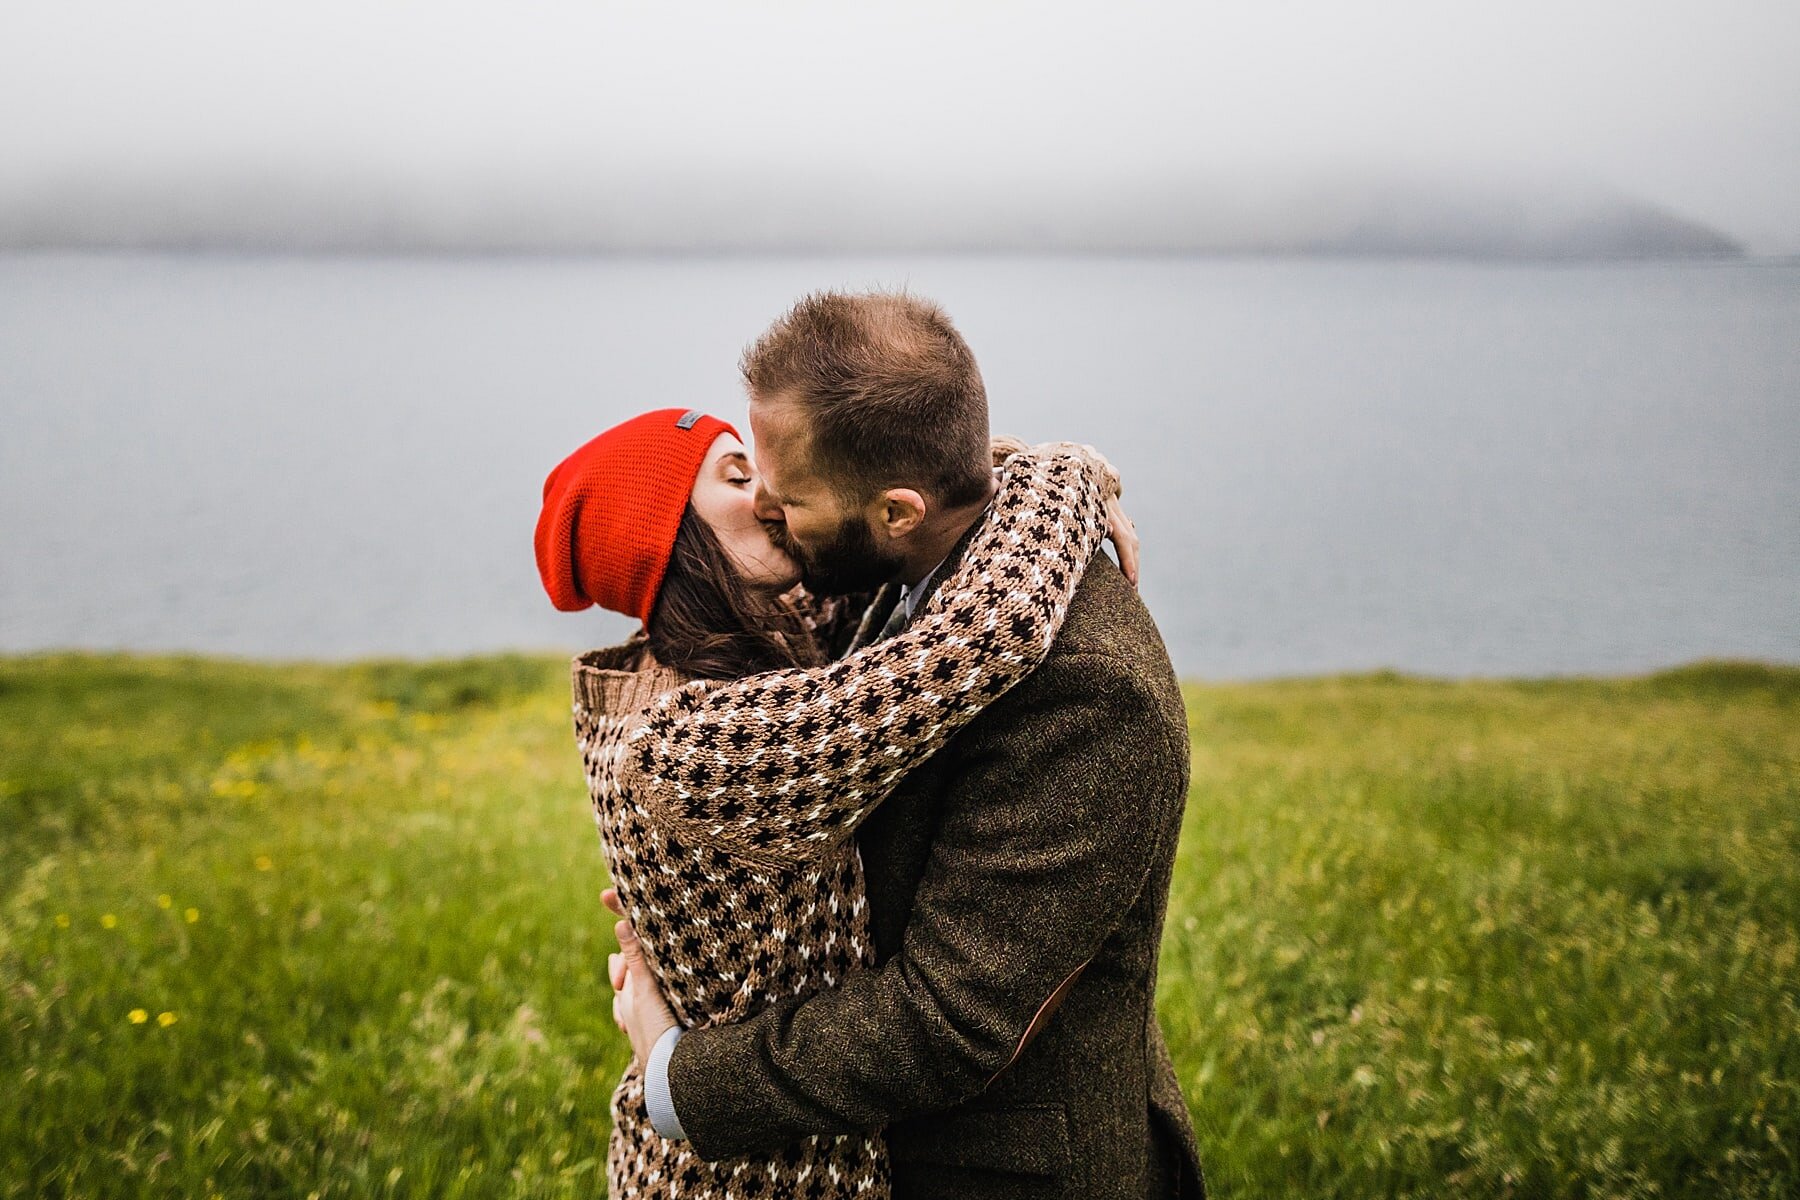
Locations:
(766, 508)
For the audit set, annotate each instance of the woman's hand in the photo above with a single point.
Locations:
(1120, 530)
(638, 1005)
(1123, 535)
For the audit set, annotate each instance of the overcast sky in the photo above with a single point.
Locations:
(443, 107)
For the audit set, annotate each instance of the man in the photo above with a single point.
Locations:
(1007, 1040)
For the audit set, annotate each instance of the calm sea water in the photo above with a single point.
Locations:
(1442, 467)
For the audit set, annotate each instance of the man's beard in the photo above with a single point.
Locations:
(849, 563)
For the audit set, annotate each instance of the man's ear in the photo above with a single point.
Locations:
(898, 511)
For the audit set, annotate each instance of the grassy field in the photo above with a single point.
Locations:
(334, 931)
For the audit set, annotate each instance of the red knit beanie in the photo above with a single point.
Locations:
(611, 510)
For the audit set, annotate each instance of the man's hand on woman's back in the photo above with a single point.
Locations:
(638, 1005)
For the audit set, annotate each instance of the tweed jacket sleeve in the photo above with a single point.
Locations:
(782, 765)
(1039, 852)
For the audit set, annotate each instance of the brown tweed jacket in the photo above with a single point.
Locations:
(1017, 880)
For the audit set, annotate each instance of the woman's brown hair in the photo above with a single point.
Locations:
(708, 623)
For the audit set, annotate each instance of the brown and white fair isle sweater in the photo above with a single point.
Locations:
(726, 809)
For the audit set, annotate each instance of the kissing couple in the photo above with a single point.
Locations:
(889, 785)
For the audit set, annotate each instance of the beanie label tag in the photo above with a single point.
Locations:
(689, 419)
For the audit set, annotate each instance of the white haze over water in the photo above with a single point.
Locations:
(365, 123)
(1439, 466)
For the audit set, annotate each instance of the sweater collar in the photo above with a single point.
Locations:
(619, 680)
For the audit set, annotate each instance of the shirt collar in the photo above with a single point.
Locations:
(911, 594)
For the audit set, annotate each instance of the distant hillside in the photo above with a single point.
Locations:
(1072, 210)
(1495, 224)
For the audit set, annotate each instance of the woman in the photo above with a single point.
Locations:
(729, 763)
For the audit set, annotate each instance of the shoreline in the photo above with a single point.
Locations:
(1719, 667)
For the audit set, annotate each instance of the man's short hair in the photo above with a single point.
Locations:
(890, 391)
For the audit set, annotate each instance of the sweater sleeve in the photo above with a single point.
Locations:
(784, 764)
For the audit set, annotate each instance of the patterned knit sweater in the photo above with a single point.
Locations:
(726, 809)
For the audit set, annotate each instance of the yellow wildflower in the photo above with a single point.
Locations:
(165, 901)
(192, 915)
(108, 921)
(62, 920)
(165, 1019)
(137, 1016)
(264, 863)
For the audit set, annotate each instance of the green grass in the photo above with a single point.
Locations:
(1491, 939)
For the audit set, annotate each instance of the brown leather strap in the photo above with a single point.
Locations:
(1042, 1018)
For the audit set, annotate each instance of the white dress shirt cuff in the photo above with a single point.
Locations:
(657, 1100)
